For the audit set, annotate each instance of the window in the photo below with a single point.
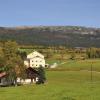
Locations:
(32, 64)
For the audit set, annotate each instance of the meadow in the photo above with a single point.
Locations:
(70, 80)
(76, 65)
(60, 85)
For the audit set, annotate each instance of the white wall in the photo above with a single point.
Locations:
(35, 59)
(26, 81)
(26, 63)
(36, 62)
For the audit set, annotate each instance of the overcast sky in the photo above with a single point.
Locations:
(50, 12)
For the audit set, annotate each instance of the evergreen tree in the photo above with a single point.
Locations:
(42, 77)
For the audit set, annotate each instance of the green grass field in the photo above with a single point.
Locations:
(60, 85)
(71, 80)
(77, 65)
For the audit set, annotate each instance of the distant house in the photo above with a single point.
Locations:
(2, 77)
(35, 60)
(4, 81)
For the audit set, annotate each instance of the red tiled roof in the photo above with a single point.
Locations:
(2, 74)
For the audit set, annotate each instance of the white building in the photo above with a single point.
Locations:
(35, 60)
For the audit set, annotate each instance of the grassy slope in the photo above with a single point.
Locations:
(67, 85)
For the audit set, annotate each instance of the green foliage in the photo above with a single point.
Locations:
(11, 61)
(73, 55)
(2, 61)
(93, 52)
(42, 77)
(10, 49)
(77, 65)
(23, 54)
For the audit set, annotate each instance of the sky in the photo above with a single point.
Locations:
(50, 12)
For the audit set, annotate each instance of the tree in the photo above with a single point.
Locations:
(42, 77)
(2, 60)
(48, 55)
(73, 55)
(91, 52)
(14, 62)
(23, 54)
(10, 49)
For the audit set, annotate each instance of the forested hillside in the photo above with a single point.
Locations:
(72, 36)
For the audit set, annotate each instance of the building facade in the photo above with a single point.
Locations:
(35, 60)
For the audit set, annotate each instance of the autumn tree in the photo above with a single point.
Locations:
(14, 62)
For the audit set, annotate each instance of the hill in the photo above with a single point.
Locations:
(73, 36)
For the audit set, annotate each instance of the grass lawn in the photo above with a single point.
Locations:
(60, 85)
(77, 65)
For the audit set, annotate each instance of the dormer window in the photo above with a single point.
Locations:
(37, 56)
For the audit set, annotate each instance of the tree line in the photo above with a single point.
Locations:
(93, 52)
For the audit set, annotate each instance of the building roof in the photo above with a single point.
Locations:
(34, 54)
(31, 73)
(2, 74)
